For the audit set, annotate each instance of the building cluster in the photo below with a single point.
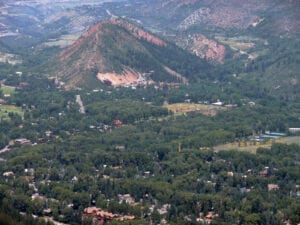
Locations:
(266, 136)
(207, 219)
(101, 217)
(126, 199)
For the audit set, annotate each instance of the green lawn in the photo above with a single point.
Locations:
(8, 89)
(181, 108)
(5, 109)
(291, 140)
(246, 146)
(251, 147)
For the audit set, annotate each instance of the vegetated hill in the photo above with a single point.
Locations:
(197, 25)
(262, 36)
(279, 17)
(120, 53)
(277, 70)
(26, 24)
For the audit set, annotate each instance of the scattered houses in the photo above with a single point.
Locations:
(126, 198)
(118, 123)
(37, 196)
(74, 179)
(265, 172)
(164, 209)
(273, 187)
(208, 218)
(22, 141)
(8, 174)
(251, 103)
(23, 84)
(230, 174)
(120, 147)
(218, 103)
(48, 133)
(294, 130)
(266, 136)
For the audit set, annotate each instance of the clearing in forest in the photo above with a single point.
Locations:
(181, 108)
(6, 109)
(250, 146)
(10, 90)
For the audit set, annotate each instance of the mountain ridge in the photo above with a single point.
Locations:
(116, 48)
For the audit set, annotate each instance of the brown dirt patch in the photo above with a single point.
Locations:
(208, 110)
(127, 77)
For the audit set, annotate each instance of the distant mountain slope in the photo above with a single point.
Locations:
(120, 53)
(202, 47)
(274, 16)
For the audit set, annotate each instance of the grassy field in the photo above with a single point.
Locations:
(181, 108)
(5, 109)
(249, 146)
(291, 140)
(244, 46)
(8, 89)
(63, 41)
(237, 43)
(9, 58)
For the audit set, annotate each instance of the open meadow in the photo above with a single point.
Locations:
(181, 108)
(251, 146)
(6, 109)
(10, 90)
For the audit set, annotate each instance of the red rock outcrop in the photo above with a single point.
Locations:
(203, 47)
(138, 32)
(93, 32)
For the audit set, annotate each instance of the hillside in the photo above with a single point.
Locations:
(119, 53)
(279, 17)
(202, 47)
(236, 37)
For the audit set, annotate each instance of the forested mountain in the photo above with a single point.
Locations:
(218, 15)
(245, 38)
(120, 53)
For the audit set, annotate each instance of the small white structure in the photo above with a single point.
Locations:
(164, 209)
(8, 174)
(294, 130)
(126, 198)
(218, 103)
(23, 141)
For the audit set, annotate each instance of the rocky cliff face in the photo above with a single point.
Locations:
(203, 47)
(94, 33)
(138, 32)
